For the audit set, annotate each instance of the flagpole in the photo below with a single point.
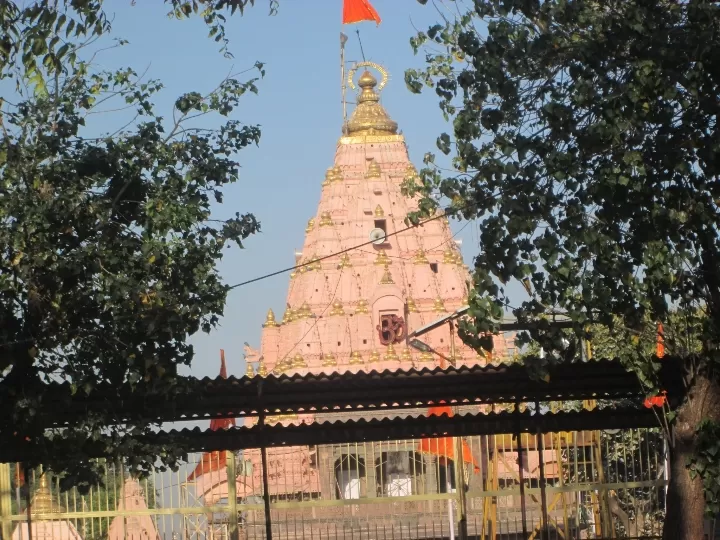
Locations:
(343, 83)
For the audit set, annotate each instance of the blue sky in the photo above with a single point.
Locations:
(300, 112)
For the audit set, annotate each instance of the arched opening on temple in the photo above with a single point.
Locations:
(399, 473)
(349, 473)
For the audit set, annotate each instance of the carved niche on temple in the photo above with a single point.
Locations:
(391, 329)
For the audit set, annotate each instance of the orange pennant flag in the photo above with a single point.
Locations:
(445, 446)
(355, 11)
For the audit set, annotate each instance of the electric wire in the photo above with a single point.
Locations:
(448, 211)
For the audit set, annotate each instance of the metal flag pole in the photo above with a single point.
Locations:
(343, 82)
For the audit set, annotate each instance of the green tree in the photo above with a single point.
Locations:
(108, 246)
(585, 140)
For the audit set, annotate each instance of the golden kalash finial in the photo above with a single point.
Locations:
(374, 357)
(379, 212)
(412, 307)
(390, 353)
(382, 259)
(369, 117)
(326, 220)
(449, 256)
(420, 257)
(304, 312)
(338, 174)
(313, 263)
(270, 321)
(42, 502)
(287, 316)
(362, 307)
(406, 355)
(298, 361)
(328, 360)
(310, 225)
(262, 369)
(356, 359)
(344, 261)
(438, 305)
(249, 372)
(387, 278)
(337, 309)
(329, 177)
(281, 367)
(459, 259)
(426, 356)
(373, 170)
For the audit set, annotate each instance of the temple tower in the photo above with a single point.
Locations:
(339, 299)
(349, 308)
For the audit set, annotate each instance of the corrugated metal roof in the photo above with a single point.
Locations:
(237, 397)
(399, 428)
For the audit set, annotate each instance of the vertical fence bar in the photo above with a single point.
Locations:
(543, 492)
(5, 500)
(231, 468)
(521, 473)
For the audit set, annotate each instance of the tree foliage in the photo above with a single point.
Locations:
(585, 140)
(108, 244)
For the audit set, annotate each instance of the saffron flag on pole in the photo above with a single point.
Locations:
(445, 446)
(355, 11)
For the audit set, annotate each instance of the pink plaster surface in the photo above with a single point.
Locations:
(353, 204)
(132, 527)
(46, 530)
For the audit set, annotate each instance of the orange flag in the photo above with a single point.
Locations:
(445, 446)
(359, 10)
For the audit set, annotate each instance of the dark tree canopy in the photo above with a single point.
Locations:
(585, 139)
(108, 246)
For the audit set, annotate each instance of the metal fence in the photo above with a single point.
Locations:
(562, 486)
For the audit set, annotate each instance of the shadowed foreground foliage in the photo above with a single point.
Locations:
(108, 246)
(585, 140)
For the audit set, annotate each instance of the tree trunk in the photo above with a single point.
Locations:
(684, 519)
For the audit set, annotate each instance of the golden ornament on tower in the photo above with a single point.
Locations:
(326, 220)
(438, 305)
(411, 306)
(249, 372)
(356, 359)
(270, 321)
(328, 360)
(390, 353)
(387, 278)
(379, 212)
(382, 258)
(337, 309)
(362, 307)
(373, 170)
(420, 257)
(344, 261)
